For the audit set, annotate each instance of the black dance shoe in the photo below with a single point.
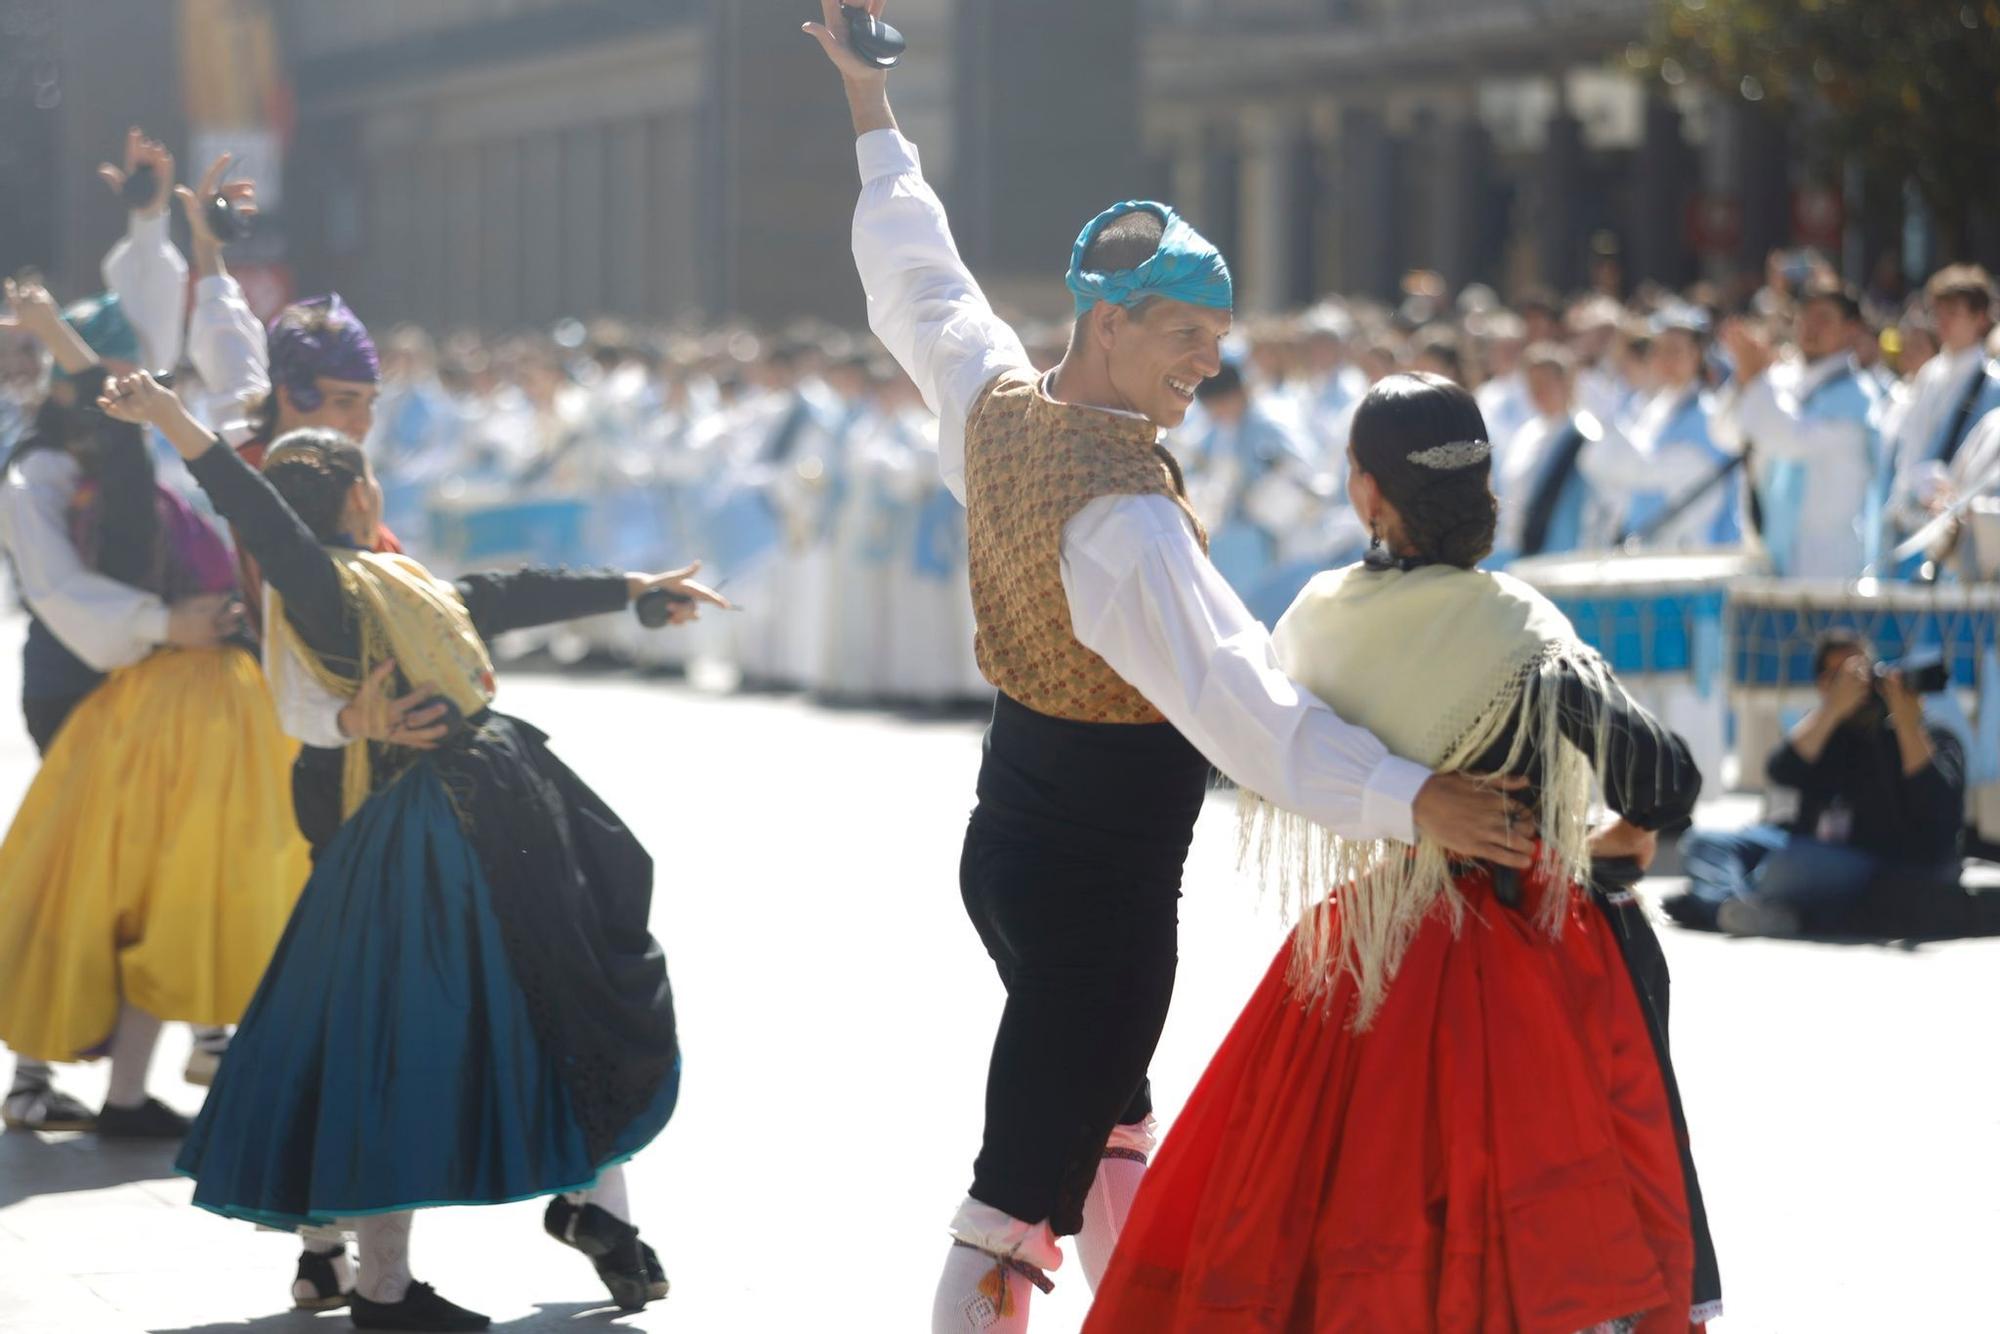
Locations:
(631, 1272)
(421, 1308)
(151, 1119)
(317, 1284)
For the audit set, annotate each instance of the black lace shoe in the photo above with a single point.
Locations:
(421, 1308)
(151, 1119)
(630, 1271)
(657, 1286)
(317, 1286)
(42, 1107)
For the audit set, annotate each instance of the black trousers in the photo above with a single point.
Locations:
(45, 717)
(1085, 944)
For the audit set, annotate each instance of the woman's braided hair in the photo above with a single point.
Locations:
(313, 469)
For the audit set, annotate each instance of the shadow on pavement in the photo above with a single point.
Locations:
(549, 1316)
(34, 1164)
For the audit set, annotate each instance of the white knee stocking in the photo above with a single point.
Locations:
(1109, 1203)
(132, 1045)
(980, 1294)
(608, 1194)
(384, 1243)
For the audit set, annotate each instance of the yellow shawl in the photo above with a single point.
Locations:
(1439, 663)
(401, 612)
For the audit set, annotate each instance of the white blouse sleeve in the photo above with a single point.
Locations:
(106, 623)
(1144, 598)
(150, 277)
(307, 710)
(226, 343)
(923, 303)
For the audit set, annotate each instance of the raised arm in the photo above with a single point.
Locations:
(923, 303)
(1144, 598)
(292, 559)
(143, 268)
(225, 339)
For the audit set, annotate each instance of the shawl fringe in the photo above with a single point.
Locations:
(1384, 890)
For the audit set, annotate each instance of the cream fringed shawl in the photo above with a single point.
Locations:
(1441, 664)
(402, 612)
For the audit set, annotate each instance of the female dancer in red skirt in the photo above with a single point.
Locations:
(1448, 1106)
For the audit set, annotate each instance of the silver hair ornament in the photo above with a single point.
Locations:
(1454, 454)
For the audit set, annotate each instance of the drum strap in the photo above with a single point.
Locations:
(1955, 436)
(1549, 488)
(1686, 501)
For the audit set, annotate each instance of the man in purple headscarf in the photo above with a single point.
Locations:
(323, 372)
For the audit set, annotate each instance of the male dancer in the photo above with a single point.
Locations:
(1126, 667)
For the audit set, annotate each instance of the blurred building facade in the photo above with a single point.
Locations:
(506, 162)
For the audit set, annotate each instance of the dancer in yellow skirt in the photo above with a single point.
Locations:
(155, 860)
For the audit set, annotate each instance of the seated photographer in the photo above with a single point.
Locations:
(1881, 793)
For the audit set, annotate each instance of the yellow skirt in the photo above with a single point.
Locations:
(155, 858)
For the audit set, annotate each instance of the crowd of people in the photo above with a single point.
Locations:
(1810, 425)
(1353, 475)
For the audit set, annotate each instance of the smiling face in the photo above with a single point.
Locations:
(1156, 354)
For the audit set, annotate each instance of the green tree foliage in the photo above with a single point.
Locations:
(1908, 88)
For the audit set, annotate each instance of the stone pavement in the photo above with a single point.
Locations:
(837, 1009)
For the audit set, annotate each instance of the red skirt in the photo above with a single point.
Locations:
(1494, 1155)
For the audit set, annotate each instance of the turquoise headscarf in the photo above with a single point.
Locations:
(1186, 267)
(100, 321)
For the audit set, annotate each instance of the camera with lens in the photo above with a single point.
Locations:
(1923, 673)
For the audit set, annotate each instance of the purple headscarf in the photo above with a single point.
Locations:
(320, 337)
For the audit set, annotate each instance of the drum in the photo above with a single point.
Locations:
(1772, 628)
(472, 532)
(1658, 619)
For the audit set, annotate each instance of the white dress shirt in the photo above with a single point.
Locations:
(1647, 457)
(106, 623)
(1141, 593)
(227, 347)
(149, 277)
(1769, 413)
(1935, 394)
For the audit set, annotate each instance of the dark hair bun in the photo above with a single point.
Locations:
(313, 470)
(1423, 439)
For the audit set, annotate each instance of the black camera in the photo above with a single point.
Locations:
(1923, 673)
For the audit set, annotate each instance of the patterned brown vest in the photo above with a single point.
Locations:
(1030, 464)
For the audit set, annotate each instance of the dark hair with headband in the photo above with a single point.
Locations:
(1423, 440)
(313, 470)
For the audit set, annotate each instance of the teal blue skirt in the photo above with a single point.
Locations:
(392, 1057)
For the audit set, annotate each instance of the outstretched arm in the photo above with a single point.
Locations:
(923, 303)
(515, 600)
(1144, 598)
